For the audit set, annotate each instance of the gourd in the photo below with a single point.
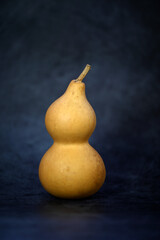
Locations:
(71, 168)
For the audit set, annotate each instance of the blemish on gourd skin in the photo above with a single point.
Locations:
(68, 169)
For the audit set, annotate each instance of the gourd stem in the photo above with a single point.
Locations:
(84, 73)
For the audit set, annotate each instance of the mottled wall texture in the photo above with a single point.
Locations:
(44, 44)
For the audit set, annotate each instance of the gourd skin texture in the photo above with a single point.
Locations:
(71, 168)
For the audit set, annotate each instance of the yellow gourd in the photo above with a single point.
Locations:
(71, 168)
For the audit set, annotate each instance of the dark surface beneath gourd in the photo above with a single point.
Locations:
(43, 46)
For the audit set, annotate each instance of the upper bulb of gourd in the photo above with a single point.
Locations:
(71, 118)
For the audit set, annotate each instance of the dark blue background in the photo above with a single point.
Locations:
(43, 46)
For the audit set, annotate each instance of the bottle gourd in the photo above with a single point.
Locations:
(71, 168)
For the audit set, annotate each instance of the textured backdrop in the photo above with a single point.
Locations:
(43, 46)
